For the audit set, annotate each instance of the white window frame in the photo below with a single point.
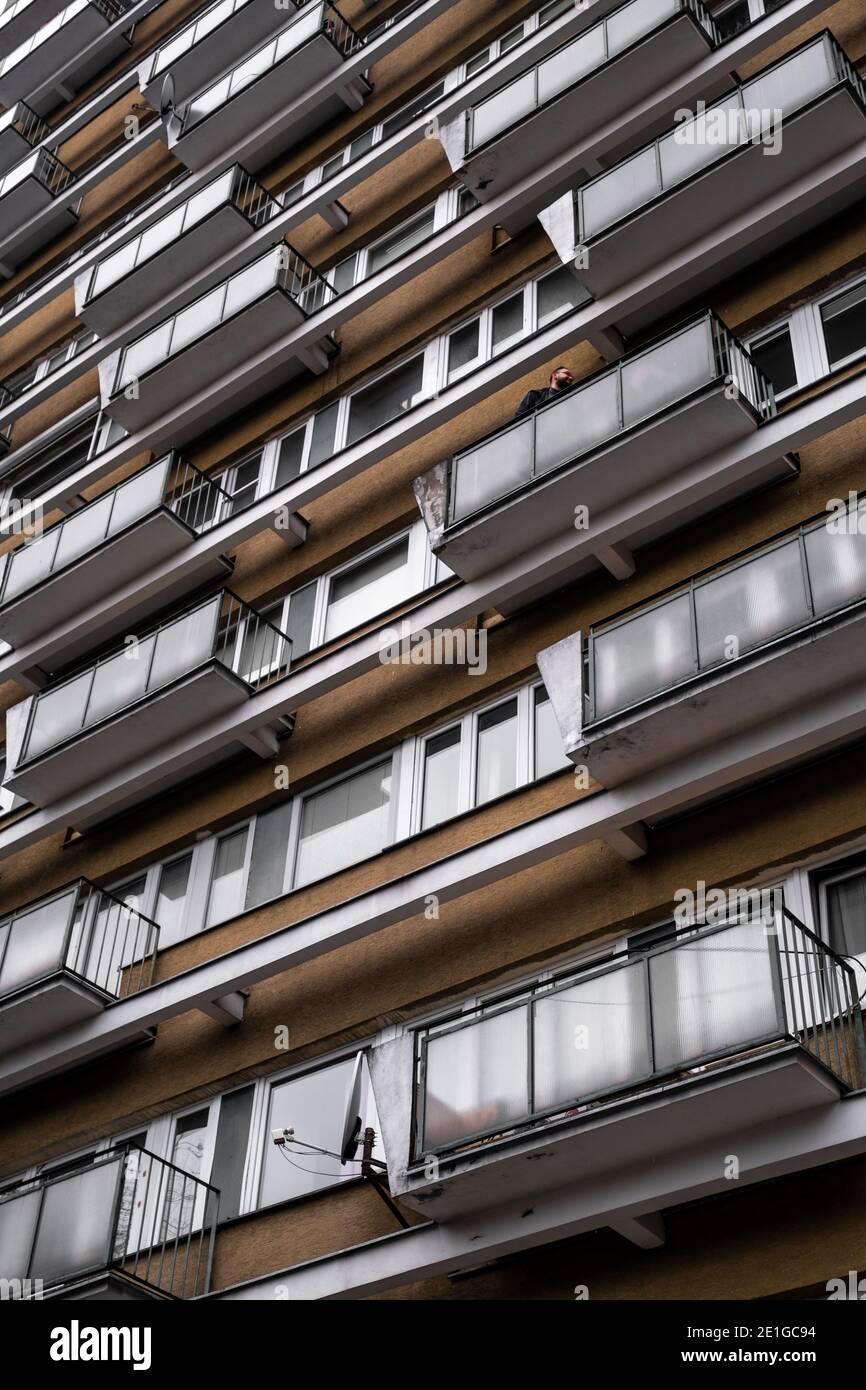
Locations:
(806, 329)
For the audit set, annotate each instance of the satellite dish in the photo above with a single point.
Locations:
(166, 96)
(352, 1120)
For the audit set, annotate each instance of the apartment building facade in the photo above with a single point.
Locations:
(433, 836)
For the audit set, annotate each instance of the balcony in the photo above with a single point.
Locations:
(20, 130)
(162, 259)
(722, 1028)
(130, 705)
(626, 429)
(65, 957)
(217, 38)
(90, 28)
(34, 188)
(150, 518)
(592, 79)
(715, 171)
(748, 653)
(218, 333)
(266, 88)
(120, 1225)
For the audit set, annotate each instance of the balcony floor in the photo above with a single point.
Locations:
(46, 1007)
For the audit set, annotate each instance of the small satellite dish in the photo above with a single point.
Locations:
(352, 1120)
(166, 96)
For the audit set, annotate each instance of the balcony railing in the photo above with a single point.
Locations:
(220, 629)
(740, 118)
(313, 20)
(724, 614)
(595, 411)
(110, 9)
(28, 125)
(80, 930)
(171, 482)
(124, 1213)
(203, 25)
(711, 995)
(43, 166)
(573, 62)
(235, 188)
(282, 268)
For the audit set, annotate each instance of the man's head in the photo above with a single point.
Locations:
(560, 379)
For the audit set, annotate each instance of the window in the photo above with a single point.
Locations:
(344, 823)
(547, 740)
(842, 902)
(368, 588)
(774, 354)
(227, 883)
(399, 243)
(844, 322)
(171, 898)
(385, 399)
(497, 752)
(732, 18)
(441, 777)
(814, 340)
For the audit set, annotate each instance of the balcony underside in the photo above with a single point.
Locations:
(64, 596)
(25, 24)
(730, 705)
(13, 148)
(162, 278)
(229, 346)
(129, 735)
(111, 1287)
(617, 1136)
(659, 454)
(242, 32)
(47, 1007)
(561, 124)
(740, 183)
(31, 79)
(275, 93)
(28, 200)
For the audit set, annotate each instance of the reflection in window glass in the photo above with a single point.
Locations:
(226, 892)
(171, 899)
(385, 399)
(497, 752)
(775, 356)
(463, 347)
(441, 777)
(507, 320)
(844, 320)
(557, 293)
(368, 588)
(344, 823)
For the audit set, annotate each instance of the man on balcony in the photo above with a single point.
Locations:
(561, 379)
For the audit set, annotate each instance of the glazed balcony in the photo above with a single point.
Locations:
(592, 79)
(218, 333)
(627, 428)
(121, 1225)
(66, 956)
(93, 28)
(156, 264)
(266, 86)
(217, 39)
(22, 18)
(748, 653)
(153, 516)
(698, 1039)
(180, 676)
(20, 131)
(34, 189)
(710, 173)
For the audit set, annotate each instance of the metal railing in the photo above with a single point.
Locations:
(220, 629)
(171, 482)
(571, 64)
(282, 268)
(82, 930)
(234, 187)
(747, 112)
(724, 614)
(712, 994)
(41, 165)
(311, 21)
(29, 126)
(594, 411)
(125, 1212)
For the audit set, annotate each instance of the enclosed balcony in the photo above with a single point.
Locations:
(68, 955)
(589, 81)
(214, 41)
(637, 424)
(753, 149)
(150, 518)
(120, 1225)
(37, 69)
(266, 88)
(160, 684)
(218, 333)
(21, 19)
(157, 263)
(720, 1028)
(34, 188)
(745, 651)
(20, 130)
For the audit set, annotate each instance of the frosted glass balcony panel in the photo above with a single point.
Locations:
(76, 1225)
(695, 144)
(147, 353)
(35, 943)
(198, 319)
(667, 373)
(793, 83)
(29, 564)
(184, 644)
(119, 681)
(476, 1078)
(504, 109)
(583, 419)
(58, 714)
(632, 22)
(142, 494)
(569, 65)
(750, 604)
(18, 1218)
(837, 564)
(81, 533)
(492, 470)
(644, 655)
(614, 195)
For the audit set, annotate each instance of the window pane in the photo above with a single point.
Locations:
(775, 356)
(497, 752)
(441, 778)
(401, 242)
(549, 753)
(324, 435)
(476, 1079)
(230, 1151)
(845, 325)
(171, 899)
(478, 62)
(507, 320)
(299, 627)
(846, 915)
(557, 293)
(344, 823)
(463, 346)
(290, 456)
(385, 399)
(226, 896)
(591, 1037)
(367, 589)
(269, 854)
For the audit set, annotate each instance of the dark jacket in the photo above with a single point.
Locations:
(533, 399)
